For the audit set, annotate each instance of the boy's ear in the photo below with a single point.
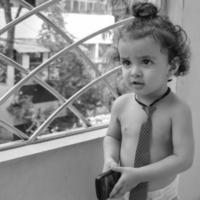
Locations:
(174, 66)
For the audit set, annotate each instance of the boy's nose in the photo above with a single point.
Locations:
(135, 71)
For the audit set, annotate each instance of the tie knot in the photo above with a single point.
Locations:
(149, 110)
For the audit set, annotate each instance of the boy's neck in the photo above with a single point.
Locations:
(154, 101)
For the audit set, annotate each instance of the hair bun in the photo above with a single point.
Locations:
(144, 10)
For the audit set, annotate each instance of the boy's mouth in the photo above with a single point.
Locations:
(137, 83)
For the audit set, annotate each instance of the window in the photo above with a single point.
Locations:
(73, 76)
(35, 60)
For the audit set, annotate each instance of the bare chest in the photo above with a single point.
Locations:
(131, 122)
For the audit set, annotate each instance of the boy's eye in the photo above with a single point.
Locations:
(126, 62)
(147, 61)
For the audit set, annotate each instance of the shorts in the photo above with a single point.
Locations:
(170, 192)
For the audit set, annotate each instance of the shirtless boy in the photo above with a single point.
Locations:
(151, 51)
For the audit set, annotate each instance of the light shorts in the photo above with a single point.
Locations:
(169, 192)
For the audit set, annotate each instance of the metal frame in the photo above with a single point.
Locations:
(66, 103)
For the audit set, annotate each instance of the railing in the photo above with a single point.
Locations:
(65, 103)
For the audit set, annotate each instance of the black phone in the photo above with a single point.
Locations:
(105, 182)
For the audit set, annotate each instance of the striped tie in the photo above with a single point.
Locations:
(142, 156)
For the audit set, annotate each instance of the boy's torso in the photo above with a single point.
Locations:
(131, 118)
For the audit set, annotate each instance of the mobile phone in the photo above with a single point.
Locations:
(105, 182)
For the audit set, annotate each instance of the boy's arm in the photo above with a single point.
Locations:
(111, 143)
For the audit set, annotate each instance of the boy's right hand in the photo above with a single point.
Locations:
(109, 163)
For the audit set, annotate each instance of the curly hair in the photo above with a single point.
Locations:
(172, 38)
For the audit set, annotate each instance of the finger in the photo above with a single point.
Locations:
(116, 188)
(113, 165)
(120, 192)
(107, 167)
(117, 169)
(114, 191)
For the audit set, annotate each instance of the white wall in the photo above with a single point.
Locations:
(188, 89)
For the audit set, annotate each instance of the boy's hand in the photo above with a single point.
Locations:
(109, 164)
(128, 180)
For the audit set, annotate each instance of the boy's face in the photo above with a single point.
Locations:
(145, 66)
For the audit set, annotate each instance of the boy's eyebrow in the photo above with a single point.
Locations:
(139, 57)
(146, 56)
(124, 58)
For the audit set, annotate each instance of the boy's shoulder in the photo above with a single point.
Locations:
(180, 111)
(178, 104)
(123, 100)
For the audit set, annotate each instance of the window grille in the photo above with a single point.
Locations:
(35, 136)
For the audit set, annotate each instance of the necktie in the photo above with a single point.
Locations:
(142, 156)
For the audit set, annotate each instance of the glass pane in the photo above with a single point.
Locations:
(32, 103)
(92, 105)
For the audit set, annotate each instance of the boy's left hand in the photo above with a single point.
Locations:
(128, 180)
